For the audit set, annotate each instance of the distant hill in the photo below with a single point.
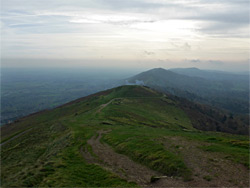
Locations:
(127, 136)
(212, 74)
(231, 95)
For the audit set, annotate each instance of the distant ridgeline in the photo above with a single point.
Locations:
(45, 90)
(221, 90)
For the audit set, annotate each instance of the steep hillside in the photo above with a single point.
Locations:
(127, 136)
(229, 95)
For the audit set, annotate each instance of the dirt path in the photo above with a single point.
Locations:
(210, 169)
(122, 165)
(20, 134)
(101, 107)
(104, 105)
(223, 173)
(117, 163)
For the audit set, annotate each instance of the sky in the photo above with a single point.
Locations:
(208, 34)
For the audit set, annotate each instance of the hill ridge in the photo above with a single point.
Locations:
(73, 146)
(231, 95)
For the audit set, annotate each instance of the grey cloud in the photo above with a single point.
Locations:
(148, 53)
(244, 2)
(195, 60)
(180, 45)
(225, 30)
(128, 4)
(231, 19)
(24, 25)
(186, 46)
(198, 61)
(237, 13)
(236, 17)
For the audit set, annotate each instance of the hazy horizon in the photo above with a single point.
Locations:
(117, 65)
(127, 34)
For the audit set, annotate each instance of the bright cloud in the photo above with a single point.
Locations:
(170, 31)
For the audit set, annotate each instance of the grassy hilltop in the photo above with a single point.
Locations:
(127, 136)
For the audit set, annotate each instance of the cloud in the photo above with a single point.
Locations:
(130, 4)
(120, 29)
(210, 14)
(111, 19)
(187, 46)
(209, 62)
(195, 60)
(225, 29)
(148, 53)
(179, 45)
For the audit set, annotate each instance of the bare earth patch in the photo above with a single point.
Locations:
(20, 134)
(210, 169)
(104, 105)
(123, 166)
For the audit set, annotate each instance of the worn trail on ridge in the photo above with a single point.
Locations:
(122, 165)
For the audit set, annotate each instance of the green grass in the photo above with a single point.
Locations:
(13, 135)
(49, 154)
(139, 144)
(75, 172)
(208, 178)
(150, 111)
(236, 154)
(23, 157)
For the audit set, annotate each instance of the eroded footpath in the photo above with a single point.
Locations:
(103, 155)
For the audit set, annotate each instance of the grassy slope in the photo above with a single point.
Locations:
(48, 155)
